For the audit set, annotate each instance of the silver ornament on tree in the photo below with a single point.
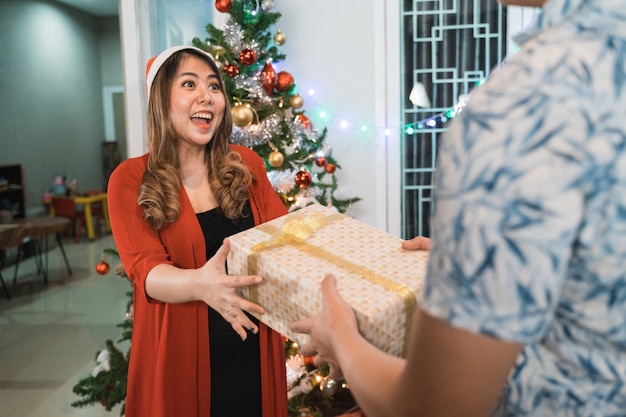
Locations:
(328, 386)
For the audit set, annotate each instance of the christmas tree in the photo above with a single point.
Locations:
(267, 108)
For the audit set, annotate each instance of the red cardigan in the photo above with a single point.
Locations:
(169, 370)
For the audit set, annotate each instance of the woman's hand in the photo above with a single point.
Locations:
(220, 292)
(335, 321)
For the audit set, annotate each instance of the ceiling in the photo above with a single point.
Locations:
(99, 8)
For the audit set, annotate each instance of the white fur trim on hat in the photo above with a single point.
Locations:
(155, 63)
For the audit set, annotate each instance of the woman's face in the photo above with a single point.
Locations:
(523, 3)
(197, 102)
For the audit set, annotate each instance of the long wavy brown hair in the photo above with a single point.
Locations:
(159, 194)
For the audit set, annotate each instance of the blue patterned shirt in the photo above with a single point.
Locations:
(529, 216)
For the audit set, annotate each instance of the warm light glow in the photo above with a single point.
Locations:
(311, 92)
(387, 132)
(344, 124)
(322, 114)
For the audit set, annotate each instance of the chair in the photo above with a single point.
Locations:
(66, 207)
(10, 237)
(96, 210)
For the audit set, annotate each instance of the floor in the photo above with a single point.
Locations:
(50, 335)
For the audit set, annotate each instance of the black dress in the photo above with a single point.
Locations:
(235, 364)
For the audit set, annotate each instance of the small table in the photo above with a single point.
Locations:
(38, 228)
(8, 231)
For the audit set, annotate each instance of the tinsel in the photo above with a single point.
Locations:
(253, 86)
(282, 181)
(304, 198)
(257, 134)
(233, 35)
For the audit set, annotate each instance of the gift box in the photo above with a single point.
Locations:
(379, 278)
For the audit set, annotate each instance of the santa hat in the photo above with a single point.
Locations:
(155, 63)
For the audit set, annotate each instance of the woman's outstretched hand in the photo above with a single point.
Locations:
(221, 293)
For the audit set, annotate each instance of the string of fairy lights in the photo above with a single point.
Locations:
(436, 121)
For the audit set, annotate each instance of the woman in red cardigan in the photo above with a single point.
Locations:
(196, 350)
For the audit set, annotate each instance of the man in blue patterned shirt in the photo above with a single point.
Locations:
(523, 311)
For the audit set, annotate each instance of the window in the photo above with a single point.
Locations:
(448, 47)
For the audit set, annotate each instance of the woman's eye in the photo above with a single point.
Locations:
(214, 86)
(188, 84)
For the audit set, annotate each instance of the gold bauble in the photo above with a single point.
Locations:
(276, 159)
(279, 37)
(217, 51)
(242, 114)
(296, 101)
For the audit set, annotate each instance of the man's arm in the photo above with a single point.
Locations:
(448, 372)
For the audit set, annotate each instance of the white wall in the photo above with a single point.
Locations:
(330, 48)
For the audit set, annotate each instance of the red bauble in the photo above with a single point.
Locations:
(284, 81)
(309, 360)
(268, 78)
(330, 168)
(247, 56)
(305, 121)
(303, 179)
(320, 161)
(223, 6)
(231, 69)
(103, 268)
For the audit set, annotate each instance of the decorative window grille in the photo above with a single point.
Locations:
(448, 46)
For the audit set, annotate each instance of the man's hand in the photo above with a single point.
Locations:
(335, 321)
(417, 243)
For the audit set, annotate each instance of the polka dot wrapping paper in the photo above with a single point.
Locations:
(379, 278)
